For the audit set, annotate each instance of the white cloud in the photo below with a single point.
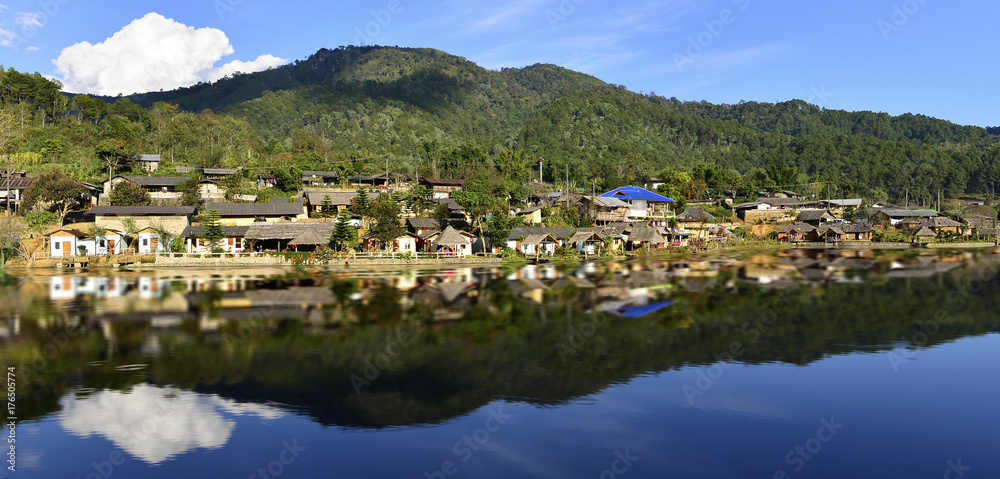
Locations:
(32, 49)
(6, 37)
(151, 53)
(155, 424)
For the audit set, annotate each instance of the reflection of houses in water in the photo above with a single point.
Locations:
(63, 288)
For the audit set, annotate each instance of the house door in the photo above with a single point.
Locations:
(67, 249)
(152, 244)
(111, 246)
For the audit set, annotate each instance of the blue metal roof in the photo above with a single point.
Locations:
(634, 193)
(640, 311)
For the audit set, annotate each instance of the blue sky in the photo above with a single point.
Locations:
(919, 56)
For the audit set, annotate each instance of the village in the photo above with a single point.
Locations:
(625, 221)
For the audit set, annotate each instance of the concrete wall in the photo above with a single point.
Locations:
(751, 216)
(173, 224)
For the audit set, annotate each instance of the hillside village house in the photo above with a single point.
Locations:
(232, 239)
(171, 218)
(150, 241)
(68, 243)
(245, 214)
(12, 191)
(148, 162)
(532, 215)
(164, 188)
(604, 210)
(642, 202)
(339, 200)
(320, 178)
(442, 188)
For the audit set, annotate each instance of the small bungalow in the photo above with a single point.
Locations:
(423, 226)
(220, 173)
(797, 232)
(586, 242)
(815, 217)
(892, 216)
(943, 224)
(266, 180)
(67, 243)
(279, 236)
(925, 235)
(537, 244)
(450, 240)
(232, 239)
(405, 243)
(695, 215)
(12, 190)
(148, 162)
(243, 214)
(172, 218)
(604, 210)
(442, 188)
(642, 202)
(646, 237)
(831, 233)
(151, 241)
(63, 242)
(532, 216)
(339, 200)
(320, 178)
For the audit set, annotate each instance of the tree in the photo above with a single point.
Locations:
(130, 193)
(481, 197)
(12, 230)
(361, 205)
(57, 192)
(288, 178)
(190, 196)
(213, 229)
(499, 228)
(419, 199)
(131, 231)
(386, 217)
(113, 153)
(343, 233)
(326, 207)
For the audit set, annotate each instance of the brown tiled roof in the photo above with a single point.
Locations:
(256, 209)
(16, 183)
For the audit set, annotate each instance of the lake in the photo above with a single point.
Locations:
(800, 363)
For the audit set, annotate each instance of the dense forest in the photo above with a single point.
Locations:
(427, 112)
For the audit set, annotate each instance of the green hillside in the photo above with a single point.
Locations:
(351, 108)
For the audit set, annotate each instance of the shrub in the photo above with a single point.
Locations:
(38, 219)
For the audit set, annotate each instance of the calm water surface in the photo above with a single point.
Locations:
(801, 364)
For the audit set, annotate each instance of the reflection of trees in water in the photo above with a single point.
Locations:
(503, 346)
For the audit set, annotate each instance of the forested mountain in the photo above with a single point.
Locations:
(350, 108)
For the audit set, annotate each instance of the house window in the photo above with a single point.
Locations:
(57, 245)
(102, 243)
(145, 241)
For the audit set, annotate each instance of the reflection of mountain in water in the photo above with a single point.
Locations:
(155, 424)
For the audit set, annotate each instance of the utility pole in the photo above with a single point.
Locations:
(567, 185)
(540, 160)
